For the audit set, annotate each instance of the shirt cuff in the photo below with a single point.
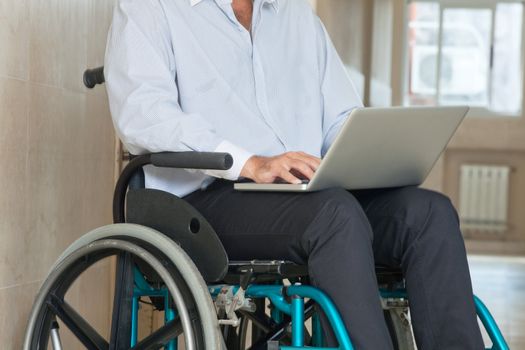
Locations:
(240, 157)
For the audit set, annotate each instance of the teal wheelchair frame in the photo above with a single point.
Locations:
(278, 295)
(236, 288)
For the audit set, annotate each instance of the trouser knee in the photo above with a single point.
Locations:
(339, 218)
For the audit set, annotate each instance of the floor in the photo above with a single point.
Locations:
(500, 283)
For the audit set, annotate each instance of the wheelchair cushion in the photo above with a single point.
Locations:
(181, 222)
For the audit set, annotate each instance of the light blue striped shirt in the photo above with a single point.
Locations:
(186, 75)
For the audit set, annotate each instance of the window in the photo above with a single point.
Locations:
(466, 52)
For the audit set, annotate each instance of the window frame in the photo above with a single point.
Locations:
(476, 111)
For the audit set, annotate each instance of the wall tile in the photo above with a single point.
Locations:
(57, 119)
(14, 39)
(13, 153)
(55, 183)
(15, 303)
(44, 36)
(58, 42)
(13, 218)
(14, 101)
(98, 133)
(73, 43)
(346, 22)
(58, 140)
(97, 194)
(98, 22)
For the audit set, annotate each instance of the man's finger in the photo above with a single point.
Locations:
(288, 177)
(303, 167)
(312, 161)
(309, 156)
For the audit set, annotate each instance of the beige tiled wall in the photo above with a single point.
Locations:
(56, 149)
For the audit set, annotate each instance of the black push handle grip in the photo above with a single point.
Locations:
(93, 77)
(192, 160)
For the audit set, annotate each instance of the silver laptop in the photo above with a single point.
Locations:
(380, 147)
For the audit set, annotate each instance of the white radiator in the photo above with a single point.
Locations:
(483, 197)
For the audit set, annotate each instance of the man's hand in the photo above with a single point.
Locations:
(290, 167)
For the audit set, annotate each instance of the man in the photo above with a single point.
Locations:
(262, 81)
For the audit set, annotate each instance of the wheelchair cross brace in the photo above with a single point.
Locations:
(294, 308)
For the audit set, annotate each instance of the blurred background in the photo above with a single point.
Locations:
(470, 52)
(60, 155)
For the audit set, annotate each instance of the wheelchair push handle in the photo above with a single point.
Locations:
(93, 77)
(192, 160)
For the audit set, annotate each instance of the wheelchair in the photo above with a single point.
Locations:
(166, 252)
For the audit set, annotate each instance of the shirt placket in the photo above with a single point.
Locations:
(226, 7)
(259, 74)
(250, 42)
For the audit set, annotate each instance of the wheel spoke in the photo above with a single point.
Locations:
(161, 336)
(77, 324)
(263, 322)
(121, 319)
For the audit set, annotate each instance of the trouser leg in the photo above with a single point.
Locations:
(419, 231)
(341, 263)
(328, 230)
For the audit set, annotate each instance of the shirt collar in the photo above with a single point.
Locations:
(274, 3)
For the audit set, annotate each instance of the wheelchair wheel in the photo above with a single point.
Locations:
(400, 328)
(196, 320)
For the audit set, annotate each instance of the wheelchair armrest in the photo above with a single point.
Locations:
(192, 160)
(180, 160)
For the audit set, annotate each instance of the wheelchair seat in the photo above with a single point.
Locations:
(265, 271)
(262, 271)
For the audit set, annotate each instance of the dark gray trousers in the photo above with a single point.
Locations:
(341, 235)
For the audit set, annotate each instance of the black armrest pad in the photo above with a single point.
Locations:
(193, 160)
